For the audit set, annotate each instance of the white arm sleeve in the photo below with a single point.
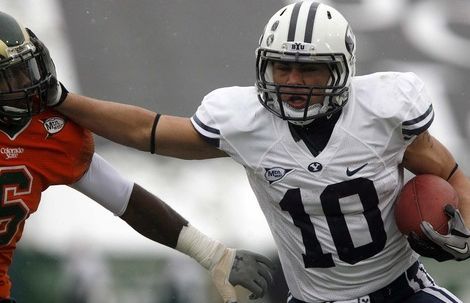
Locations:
(105, 185)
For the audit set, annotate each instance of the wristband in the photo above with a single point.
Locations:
(197, 245)
(152, 133)
(453, 171)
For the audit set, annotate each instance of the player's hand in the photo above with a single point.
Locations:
(427, 248)
(56, 92)
(453, 246)
(457, 241)
(245, 268)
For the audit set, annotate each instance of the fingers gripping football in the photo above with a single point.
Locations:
(457, 241)
(427, 248)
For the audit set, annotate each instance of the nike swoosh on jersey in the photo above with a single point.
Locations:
(352, 172)
(461, 250)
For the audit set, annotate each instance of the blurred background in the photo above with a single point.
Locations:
(165, 56)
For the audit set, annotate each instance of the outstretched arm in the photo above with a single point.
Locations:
(126, 124)
(132, 126)
(154, 219)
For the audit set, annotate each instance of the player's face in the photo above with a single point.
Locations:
(306, 74)
(17, 77)
(13, 82)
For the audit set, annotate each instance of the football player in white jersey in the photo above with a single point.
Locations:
(324, 151)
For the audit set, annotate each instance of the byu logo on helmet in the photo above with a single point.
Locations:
(297, 46)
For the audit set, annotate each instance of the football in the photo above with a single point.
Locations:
(423, 198)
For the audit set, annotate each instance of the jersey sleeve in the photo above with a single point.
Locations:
(204, 124)
(218, 122)
(407, 113)
(80, 152)
(105, 185)
(69, 155)
(417, 114)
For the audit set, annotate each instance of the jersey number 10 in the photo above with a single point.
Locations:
(330, 201)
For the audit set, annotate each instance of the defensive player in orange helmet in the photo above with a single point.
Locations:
(40, 148)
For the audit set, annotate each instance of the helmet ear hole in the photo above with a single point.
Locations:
(306, 32)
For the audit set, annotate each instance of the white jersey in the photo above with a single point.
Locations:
(331, 216)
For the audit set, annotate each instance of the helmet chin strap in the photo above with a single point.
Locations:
(14, 121)
(314, 109)
(14, 109)
(301, 123)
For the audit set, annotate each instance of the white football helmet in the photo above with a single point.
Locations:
(306, 32)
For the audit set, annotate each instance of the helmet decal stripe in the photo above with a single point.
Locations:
(293, 21)
(310, 22)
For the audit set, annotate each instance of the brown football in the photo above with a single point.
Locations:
(423, 198)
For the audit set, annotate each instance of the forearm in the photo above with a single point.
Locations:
(153, 218)
(125, 124)
(429, 156)
(462, 185)
(132, 126)
(426, 155)
(157, 221)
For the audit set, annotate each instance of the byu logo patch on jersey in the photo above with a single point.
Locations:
(276, 173)
(315, 167)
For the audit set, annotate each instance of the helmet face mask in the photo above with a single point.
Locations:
(24, 76)
(302, 34)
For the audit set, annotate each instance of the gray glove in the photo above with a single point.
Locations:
(227, 266)
(241, 267)
(252, 271)
(457, 241)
